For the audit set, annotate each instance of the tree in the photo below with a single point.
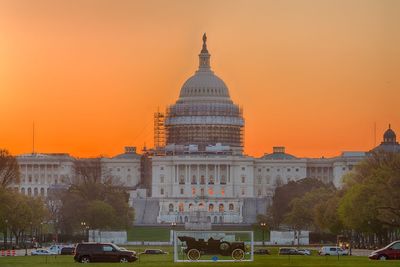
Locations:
(286, 193)
(9, 170)
(96, 198)
(371, 200)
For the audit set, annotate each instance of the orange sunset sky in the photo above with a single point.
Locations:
(313, 76)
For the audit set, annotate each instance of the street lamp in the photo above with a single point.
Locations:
(83, 225)
(6, 236)
(263, 225)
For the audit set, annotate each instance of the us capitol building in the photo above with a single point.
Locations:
(197, 162)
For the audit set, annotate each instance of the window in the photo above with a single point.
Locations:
(211, 180)
(267, 169)
(181, 207)
(202, 192)
(211, 207)
(162, 168)
(162, 191)
(259, 179)
(193, 191)
(181, 179)
(107, 248)
(223, 179)
(288, 169)
(231, 206)
(202, 180)
(210, 191)
(297, 169)
(182, 191)
(243, 168)
(259, 192)
(259, 170)
(162, 179)
(243, 192)
(194, 179)
(118, 169)
(243, 179)
(221, 207)
(171, 207)
(190, 206)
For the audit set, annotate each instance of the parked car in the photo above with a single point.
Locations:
(102, 252)
(153, 251)
(56, 248)
(42, 252)
(390, 252)
(67, 251)
(304, 251)
(261, 251)
(289, 251)
(333, 251)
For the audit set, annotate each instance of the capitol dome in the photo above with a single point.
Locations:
(204, 114)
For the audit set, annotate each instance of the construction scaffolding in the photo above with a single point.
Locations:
(159, 130)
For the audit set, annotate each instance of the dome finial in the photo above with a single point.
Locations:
(204, 50)
(390, 126)
(204, 57)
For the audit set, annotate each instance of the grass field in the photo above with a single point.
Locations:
(167, 260)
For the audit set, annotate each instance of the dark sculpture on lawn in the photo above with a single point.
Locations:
(195, 248)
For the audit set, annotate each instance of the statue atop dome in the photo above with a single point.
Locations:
(204, 50)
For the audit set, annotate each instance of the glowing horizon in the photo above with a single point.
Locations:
(311, 76)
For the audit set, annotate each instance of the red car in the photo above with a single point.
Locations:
(390, 252)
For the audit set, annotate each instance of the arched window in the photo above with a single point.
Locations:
(221, 207)
(231, 206)
(23, 190)
(181, 207)
(211, 207)
(211, 180)
(215, 219)
(186, 219)
(171, 207)
(35, 192)
(181, 179)
(190, 206)
(201, 206)
(29, 191)
(208, 219)
(194, 179)
(42, 192)
(202, 180)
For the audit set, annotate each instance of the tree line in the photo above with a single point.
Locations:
(90, 200)
(366, 210)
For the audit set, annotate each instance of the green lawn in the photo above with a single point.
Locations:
(167, 260)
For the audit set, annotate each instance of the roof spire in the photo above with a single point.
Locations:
(389, 126)
(204, 57)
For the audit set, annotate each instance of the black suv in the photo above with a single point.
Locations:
(102, 252)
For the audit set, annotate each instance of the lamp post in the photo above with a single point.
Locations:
(83, 225)
(6, 235)
(263, 225)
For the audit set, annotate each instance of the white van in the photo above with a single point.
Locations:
(332, 251)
